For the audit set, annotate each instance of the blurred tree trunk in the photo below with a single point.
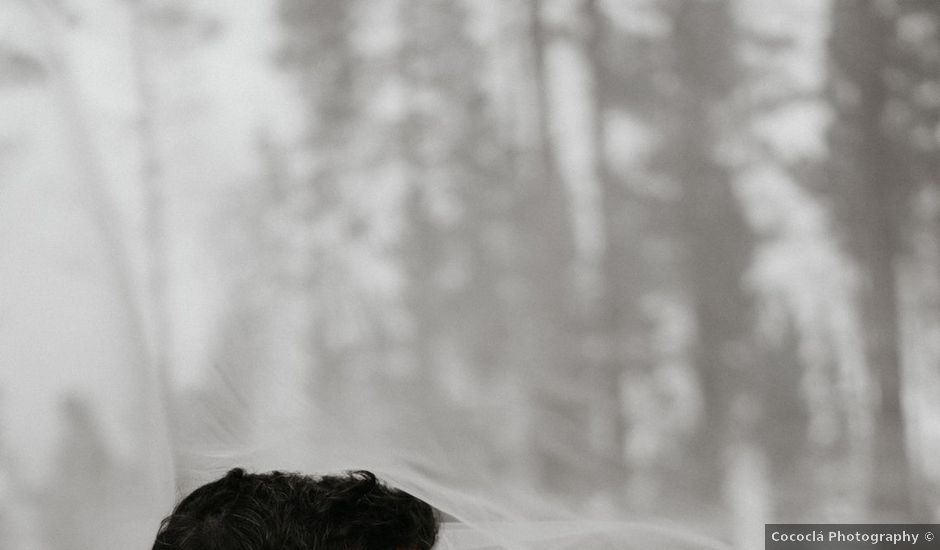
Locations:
(421, 244)
(617, 316)
(914, 118)
(455, 201)
(318, 48)
(871, 191)
(716, 237)
(548, 347)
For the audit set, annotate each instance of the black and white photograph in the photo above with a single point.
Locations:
(468, 274)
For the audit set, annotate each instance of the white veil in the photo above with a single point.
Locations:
(96, 445)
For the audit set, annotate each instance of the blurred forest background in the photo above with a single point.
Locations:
(658, 258)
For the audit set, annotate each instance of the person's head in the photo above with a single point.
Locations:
(285, 511)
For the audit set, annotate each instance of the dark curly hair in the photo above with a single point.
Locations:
(288, 511)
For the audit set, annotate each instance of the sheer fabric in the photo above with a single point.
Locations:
(96, 443)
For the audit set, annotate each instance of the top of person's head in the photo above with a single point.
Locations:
(286, 511)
